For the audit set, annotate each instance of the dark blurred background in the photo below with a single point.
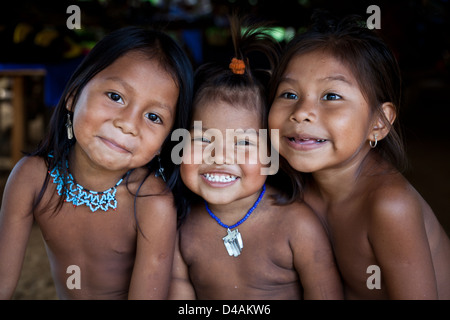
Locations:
(35, 34)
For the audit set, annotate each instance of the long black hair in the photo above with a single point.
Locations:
(153, 43)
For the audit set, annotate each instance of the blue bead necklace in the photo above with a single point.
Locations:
(233, 240)
(78, 195)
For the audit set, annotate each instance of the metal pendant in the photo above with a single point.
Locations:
(233, 242)
(69, 128)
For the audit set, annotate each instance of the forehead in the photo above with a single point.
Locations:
(222, 115)
(318, 64)
(136, 63)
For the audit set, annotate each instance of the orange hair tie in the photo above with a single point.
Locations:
(237, 66)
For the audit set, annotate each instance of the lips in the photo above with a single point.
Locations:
(307, 140)
(304, 142)
(114, 145)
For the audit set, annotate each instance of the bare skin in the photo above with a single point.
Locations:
(120, 121)
(102, 244)
(383, 221)
(286, 256)
(286, 253)
(374, 217)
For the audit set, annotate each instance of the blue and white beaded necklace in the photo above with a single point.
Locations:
(233, 240)
(78, 195)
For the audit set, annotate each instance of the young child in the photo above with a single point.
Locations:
(336, 95)
(114, 117)
(237, 242)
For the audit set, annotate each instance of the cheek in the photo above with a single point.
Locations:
(189, 175)
(252, 174)
(274, 129)
(82, 125)
(151, 149)
(274, 118)
(86, 116)
(348, 130)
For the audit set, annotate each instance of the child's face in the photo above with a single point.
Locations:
(323, 118)
(125, 112)
(229, 170)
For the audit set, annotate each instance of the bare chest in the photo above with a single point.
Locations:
(263, 270)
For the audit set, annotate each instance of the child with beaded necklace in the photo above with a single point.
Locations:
(114, 117)
(238, 241)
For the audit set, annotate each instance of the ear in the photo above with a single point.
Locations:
(383, 122)
(69, 104)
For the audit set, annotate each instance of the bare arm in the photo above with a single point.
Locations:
(314, 260)
(181, 287)
(16, 220)
(399, 240)
(155, 246)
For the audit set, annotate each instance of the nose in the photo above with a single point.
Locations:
(304, 111)
(219, 152)
(127, 121)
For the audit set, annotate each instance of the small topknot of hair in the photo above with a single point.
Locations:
(237, 66)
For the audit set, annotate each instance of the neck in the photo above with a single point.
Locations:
(339, 184)
(232, 212)
(89, 176)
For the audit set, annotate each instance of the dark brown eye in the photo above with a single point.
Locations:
(154, 118)
(115, 97)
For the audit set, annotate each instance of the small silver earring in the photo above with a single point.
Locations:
(69, 127)
(374, 143)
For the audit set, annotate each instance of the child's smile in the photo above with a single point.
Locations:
(305, 142)
(124, 113)
(217, 179)
(323, 118)
(220, 177)
(116, 146)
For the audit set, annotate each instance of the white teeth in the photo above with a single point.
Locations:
(307, 139)
(221, 178)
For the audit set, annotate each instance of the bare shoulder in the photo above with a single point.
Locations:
(153, 194)
(32, 166)
(394, 202)
(193, 219)
(29, 173)
(393, 195)
(298, 216)
(23, 186)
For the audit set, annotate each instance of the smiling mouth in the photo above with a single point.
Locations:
(212, 177)
(307, 141)
(115, 146)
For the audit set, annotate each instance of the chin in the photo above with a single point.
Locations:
(217, 200)
(302, 168)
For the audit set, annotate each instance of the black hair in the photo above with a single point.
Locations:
(154, 44)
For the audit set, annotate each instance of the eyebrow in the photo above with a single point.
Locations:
(338, 77)
(122, 82)
(286, 79)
